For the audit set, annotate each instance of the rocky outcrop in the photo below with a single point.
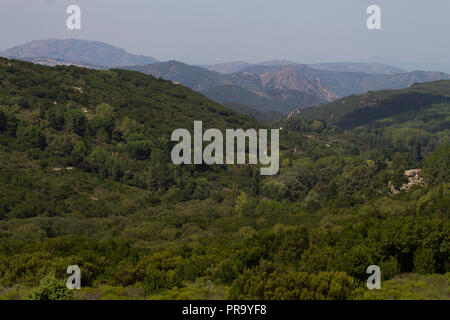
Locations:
(294, 113)
(414, 179)
(286, 78)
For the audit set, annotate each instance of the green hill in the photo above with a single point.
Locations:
(266, 100)
(196, 78)
(413, 103)
(258, 115)
(159, 106)
(67, 129)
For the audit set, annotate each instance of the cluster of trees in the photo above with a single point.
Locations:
(302, 125)
(263, 285)
(281, 262)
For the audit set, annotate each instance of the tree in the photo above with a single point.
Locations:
(317, 126)
(139, 150)
(75, 121)
(104, 109)
(20, 101)
(158, 280)
(79, 153)
(313, 200)
(128, 127)
(103, 125)
(62, 145)
(262, 285)
(159, 176)
(400, 163)
(50, 288)
(11, 125)
(437, 167)
(418, 152)
(106, 164)
(254, 184)
(104, 121)
(424, 261)
(33, 135)
(55, 116)
(3, 122)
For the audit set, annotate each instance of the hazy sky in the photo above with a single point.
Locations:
(212, 31)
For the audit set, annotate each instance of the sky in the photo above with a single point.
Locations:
(413, 32)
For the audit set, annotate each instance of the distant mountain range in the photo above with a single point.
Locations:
(370, 68)
(258, 115)
(286, 86)
(281, 91)
(276, 85)
(408, 65)
(77, 52)
(230, 67)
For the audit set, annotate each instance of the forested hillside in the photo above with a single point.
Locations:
(416, 119)
(418, 102)
(86, 179)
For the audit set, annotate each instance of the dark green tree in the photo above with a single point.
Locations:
(3, 121)
(79, 153)
(51, 288)
(75, 122)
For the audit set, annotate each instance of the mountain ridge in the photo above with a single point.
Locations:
(370, 68)
(273, 87)
(281, 92)
(130, 93)
(359, 67)
(77, 51)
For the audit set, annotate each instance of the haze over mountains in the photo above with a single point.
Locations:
(276, 85)
(278, 91)
(371, 68)
(228, 67)
(286, 86)
(78, 52)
